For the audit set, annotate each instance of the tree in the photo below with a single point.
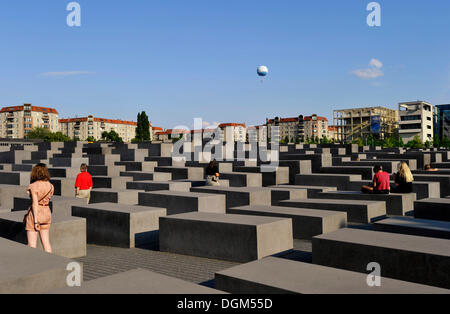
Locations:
(445, 142)
(90, 139)
(112, 136)
(415, 143)
(46, 135)
(142, 128)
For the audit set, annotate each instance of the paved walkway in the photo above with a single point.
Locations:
(104, 261)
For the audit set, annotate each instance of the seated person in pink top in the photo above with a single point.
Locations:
(381, 182)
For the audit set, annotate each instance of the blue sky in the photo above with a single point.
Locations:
(181, 59)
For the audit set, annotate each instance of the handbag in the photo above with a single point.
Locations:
(31, 207)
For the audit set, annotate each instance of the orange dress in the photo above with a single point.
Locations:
(44, 190)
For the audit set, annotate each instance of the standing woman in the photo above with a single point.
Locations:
(403, 179)
(39, 217)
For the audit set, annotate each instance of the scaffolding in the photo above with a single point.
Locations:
(359, 123)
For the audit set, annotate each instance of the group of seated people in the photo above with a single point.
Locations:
(381, 182)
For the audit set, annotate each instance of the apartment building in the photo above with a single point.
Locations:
(442, 121)
(333, 133)
(280, 128)
(298, 128)
(230, 132)
(352, 124)
(416, 119)
(257, 133)
(18, 121)
(90, 126)
(315, 127)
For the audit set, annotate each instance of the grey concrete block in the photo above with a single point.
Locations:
(119, 225)
(312, 191)
(8, 192)
(238, 196)
(396, 204)
(340, 181)
(67, 234)
(432, 208)
(282, 194)
(357, 211)
(273, 275)
(27, 270)
(241, 179)
(405, 257)
(128, 197)
(181, 186)
(418, 227)
(306, 223)
(237, 238)
(138, 281)
(15, 178)
(183, 202)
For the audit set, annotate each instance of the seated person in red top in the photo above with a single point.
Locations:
(84, 184)
(381, 182)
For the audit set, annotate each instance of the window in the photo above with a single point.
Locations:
(410, 118)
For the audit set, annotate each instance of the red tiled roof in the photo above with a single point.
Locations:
(223, 125)
(97, 120)
(33, 108)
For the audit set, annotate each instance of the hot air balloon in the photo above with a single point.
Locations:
(262, 72)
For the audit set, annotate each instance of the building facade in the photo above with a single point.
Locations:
(233, 132)
(83, 128)
(315, 127)
(298, 128)
(359, 123)
(18, 121)
(442, 121)
(416, 119)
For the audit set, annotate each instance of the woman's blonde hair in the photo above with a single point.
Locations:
(405, 172)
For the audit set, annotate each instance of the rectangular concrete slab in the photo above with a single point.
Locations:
(433, 208)
(306, 223)
(128, 197)
(119, 225)
(238, 196)
(27, 270)
(239, 238)
(67, 234)
(273, 275)
(138, 281)
(405, 257)
(419, 227)
(182, 202)
(396, 204)
(357, 211)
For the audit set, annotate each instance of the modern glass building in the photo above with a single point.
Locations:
(442, 123)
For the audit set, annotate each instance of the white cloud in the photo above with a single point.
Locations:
(376, 63)
(372, 72)
(367, 74)
(65, 73)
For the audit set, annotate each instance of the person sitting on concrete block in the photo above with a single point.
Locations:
(380, 184)
(212, 174)
(39, 216)
(428, 168)
(84, 184)
(403, 179)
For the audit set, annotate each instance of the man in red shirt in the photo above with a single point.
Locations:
(381, 182)
(84, 184)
